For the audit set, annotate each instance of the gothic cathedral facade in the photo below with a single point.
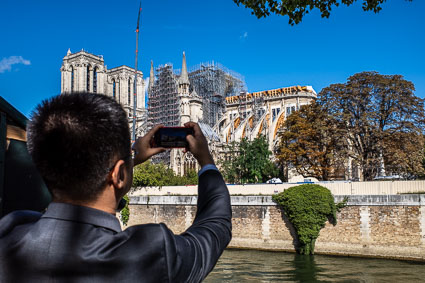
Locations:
(86, 72)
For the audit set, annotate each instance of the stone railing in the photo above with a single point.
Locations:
(337, 188)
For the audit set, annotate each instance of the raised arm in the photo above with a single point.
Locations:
(195, 253)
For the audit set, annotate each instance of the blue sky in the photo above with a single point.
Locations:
(268, 52)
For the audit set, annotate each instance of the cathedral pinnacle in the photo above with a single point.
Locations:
(184, 78)
(151, 77)
(69, 52)
(152, 73)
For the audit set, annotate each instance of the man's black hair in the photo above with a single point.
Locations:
(74, 139)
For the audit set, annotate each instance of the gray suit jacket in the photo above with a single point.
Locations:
(79, 244)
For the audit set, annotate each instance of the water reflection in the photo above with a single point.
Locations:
(305, 269)
(257, 266)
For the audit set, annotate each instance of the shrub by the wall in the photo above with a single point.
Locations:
(308, 207)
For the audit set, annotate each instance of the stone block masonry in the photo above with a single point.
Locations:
(381, 226)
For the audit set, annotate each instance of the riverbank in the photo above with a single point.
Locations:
(377, 226)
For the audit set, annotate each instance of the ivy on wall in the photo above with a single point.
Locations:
(308, 207)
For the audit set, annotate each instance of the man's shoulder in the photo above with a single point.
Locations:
(154, 234)
(17, 218)
(150, 230)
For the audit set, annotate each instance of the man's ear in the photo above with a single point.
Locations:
(118, 174)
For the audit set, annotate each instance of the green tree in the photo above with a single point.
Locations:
(382, 120)
(249, 162)
(155, 175)
(308, 207)
(190, 178)
(228, 163)
(297, 9)
(313, 144)
(158, 175)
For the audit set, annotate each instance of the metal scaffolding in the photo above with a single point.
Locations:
(163, 103)
(211, 81)
(214, 82)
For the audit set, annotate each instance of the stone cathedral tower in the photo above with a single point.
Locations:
(83, 71)
(190, 105)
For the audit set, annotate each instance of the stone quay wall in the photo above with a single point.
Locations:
(381, 226)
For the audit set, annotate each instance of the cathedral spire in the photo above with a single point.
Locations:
(184, 78)
(151, 77)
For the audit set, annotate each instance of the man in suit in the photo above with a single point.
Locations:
(80, 143)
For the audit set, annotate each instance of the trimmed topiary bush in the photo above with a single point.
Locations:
(308, 207)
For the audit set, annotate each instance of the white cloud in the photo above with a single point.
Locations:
(244, 36)
(7, 62)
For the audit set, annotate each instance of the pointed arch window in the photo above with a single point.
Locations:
(129, 92)
(114, 89)
(95, 80)
(119, 89)
(72, 79)
(88, 79)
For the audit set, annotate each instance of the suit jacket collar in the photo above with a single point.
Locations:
(82, 214)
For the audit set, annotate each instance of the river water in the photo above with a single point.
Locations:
(261, 266)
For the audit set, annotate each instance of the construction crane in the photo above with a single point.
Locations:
(133, 138)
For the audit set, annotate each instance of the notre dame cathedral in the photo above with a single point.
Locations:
(209, 94)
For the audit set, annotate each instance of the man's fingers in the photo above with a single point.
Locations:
(157, 150)
(189, 124)
(154, 150)
(190, 139)
(195, 127)
(152, 132)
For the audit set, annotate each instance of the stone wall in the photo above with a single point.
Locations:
(370, 226)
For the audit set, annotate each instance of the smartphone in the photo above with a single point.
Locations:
(170, 137)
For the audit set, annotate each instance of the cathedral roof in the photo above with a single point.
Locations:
(208, 132)
(195, 97)
(124, 68)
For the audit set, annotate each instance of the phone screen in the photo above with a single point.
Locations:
(172, 137)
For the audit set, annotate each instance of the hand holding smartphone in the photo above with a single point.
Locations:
(172, 137)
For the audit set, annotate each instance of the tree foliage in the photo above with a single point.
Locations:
(158, 175)
(248, 162)
(125, 212)
(297, 9)
(422, 174)
(229, 164)
(403, 155)
(372, 122)
(382, 120)
(308, 207)
(313, 144)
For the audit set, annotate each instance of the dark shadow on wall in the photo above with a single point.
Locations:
(290, 227)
